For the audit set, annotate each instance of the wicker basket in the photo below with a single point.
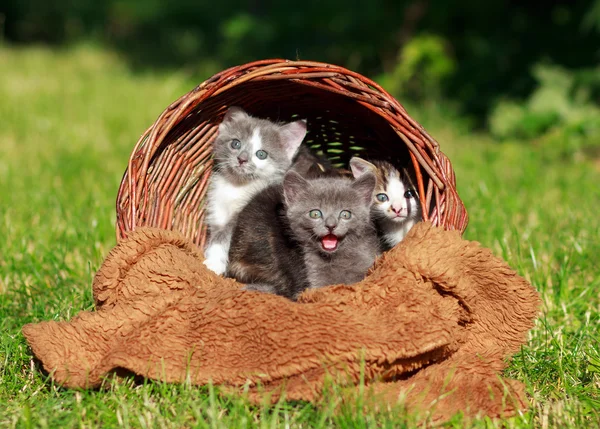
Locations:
(166, 180)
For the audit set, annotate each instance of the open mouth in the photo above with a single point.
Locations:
(329, 243)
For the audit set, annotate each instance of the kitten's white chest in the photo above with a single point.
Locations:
(226, 199)
(394, 234)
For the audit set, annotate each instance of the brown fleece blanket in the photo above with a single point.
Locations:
(433, 324)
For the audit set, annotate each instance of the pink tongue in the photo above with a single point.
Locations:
(329, 242)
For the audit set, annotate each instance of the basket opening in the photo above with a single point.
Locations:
(339, 127)
(180, 158)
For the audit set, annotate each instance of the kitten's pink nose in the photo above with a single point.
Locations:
(242, 161)
(397, 210)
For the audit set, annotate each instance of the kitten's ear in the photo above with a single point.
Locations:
(365, 185)
(233, 113)
(292, 135)
(294, 185)
(359, 167)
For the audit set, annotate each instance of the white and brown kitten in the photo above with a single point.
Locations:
(249, 155)
(305, 233)
(396, 207)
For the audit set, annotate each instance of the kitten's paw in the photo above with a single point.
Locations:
(216, 258)
(217, 266)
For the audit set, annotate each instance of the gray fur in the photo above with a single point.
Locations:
(276, 246)
(239, 173)
(358, 243)
(280, 141)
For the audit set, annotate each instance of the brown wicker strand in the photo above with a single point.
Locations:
(169, 169)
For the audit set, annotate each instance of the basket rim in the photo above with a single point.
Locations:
(423, 149)
(243, 73)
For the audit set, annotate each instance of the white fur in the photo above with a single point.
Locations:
(395, 191)
(226, 200)
(217, 256)
(256, 141)
(397, 232)
(395, 228)
(265, 166)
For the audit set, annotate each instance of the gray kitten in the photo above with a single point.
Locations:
(249, 155)
(305, 233)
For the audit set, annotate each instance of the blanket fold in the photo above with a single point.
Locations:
(433, 323)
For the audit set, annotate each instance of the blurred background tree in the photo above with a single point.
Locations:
(497, 62)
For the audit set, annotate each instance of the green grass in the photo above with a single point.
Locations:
(68, 122)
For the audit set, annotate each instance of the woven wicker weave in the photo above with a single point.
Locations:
(166, 180)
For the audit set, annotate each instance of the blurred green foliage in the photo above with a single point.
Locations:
(471, 53)
(560, 113)
(423, 67)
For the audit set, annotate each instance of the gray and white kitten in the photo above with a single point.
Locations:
(249, 155)
(396, 207)
(305, 234)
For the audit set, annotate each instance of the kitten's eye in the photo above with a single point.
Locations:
(261, 154)
(236, 144)
(345, 214)
(410, 194)
(382, 197)
(315, 214)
